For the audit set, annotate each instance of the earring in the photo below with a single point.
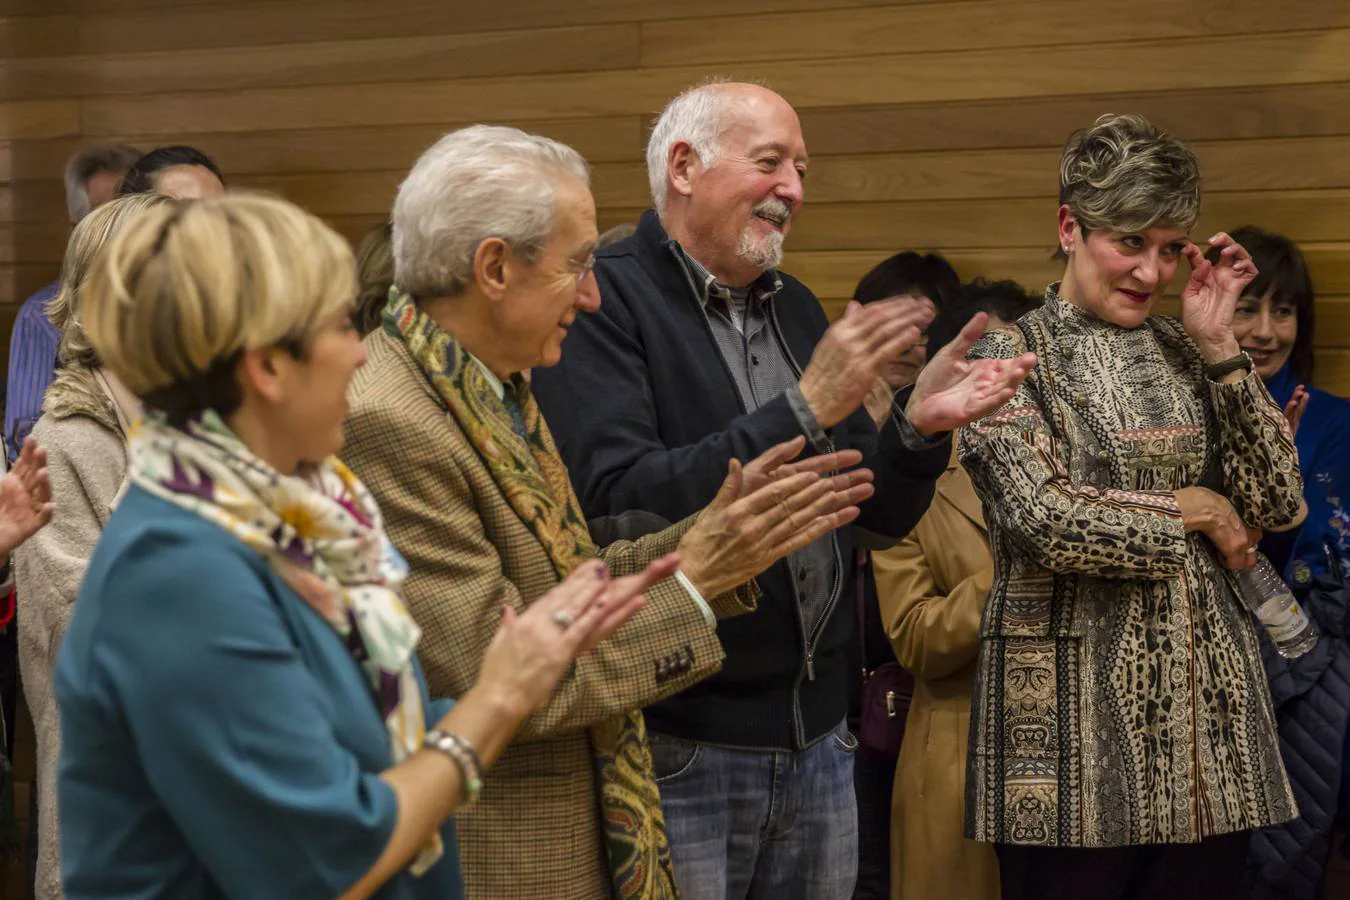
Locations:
(1067, 248)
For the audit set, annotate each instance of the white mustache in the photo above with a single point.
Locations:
(774, 209)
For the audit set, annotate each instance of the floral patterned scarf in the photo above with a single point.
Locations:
(511, 438)
(323, 534)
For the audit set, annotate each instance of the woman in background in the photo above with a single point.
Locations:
(1275, 324)
(931, 588)
(906, 274)
(903, 274)
(86, 416)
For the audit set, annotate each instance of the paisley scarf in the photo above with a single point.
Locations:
(511, 438)
(322, 532)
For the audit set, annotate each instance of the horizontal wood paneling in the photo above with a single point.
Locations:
(904, 78)
(932, 124)
(39, 119)
(1302, 110)
(17, 282)
(374, 61)
(43, 36)
(337, 150)
(991, 24)
(41, 243)
(201, 25)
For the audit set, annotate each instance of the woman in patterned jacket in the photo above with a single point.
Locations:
(1123, 742)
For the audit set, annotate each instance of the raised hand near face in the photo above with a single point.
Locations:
(1210, 297)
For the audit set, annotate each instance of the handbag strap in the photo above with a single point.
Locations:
(860, 598)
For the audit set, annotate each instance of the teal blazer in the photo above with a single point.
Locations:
(217, 737)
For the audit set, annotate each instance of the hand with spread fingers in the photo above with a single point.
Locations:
(774, 464)
(1209, 300)
(952, 391)
(767, 509)
(531, 650)
(856, 350)
(25, 497)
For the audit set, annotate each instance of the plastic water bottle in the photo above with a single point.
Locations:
(1271, 601)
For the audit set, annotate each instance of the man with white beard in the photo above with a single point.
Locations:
(694, 359)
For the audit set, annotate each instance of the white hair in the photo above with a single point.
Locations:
(476, 183)
(696, 115)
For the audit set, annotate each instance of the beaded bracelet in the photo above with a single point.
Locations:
(463, 755)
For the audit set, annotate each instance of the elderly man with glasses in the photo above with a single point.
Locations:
(494, 232)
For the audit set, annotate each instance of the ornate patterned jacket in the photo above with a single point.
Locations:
(1120, 697)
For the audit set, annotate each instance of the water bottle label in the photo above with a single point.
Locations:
(1285, 624)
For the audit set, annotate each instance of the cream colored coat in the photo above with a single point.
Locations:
(85, 439)
(932, 587)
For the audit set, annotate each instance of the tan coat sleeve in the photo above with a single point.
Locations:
(460, 581)
(85, 464)
(934, 632)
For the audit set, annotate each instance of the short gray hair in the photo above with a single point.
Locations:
(1126, 174)
(695, 115)
(476, 183)
(88, 162)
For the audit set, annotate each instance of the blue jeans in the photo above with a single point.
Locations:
(760, 824)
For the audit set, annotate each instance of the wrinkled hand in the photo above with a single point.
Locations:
(532, 649)
(25, 497)
(953, 391)
(1294, 409)
(1211, 295)
(856, 349)
(748, 528)
(773, 464)
(1210, 513)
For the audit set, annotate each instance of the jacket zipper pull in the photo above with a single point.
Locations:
(810, 665)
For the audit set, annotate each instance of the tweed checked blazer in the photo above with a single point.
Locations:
(535, 831)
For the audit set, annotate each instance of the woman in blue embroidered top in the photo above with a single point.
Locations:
(1274, 323)
(242, 710)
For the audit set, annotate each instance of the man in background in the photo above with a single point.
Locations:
(91, 177)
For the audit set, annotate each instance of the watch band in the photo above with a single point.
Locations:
(1219, 369)
(462, 754)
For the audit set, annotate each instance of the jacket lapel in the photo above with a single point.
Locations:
(956, 488)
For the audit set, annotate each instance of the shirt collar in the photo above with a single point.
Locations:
(498, 387)
(762, 289)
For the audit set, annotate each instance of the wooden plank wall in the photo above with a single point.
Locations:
(932, 125)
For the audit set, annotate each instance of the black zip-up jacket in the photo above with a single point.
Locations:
(647, 416)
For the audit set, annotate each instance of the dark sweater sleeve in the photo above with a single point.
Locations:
(904, 477)
(599, 403)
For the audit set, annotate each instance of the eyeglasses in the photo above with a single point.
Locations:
(586, 267)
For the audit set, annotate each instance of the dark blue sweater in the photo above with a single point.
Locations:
(647, 416)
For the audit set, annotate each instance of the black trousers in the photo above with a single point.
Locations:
(1214, 869)
(873, 781)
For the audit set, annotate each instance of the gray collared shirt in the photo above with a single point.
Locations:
(763, 370)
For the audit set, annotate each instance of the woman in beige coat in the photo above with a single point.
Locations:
(85, 417)
(931, 588)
